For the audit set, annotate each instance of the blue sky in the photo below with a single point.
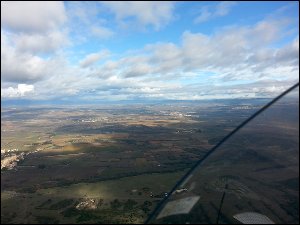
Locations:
(148, 50)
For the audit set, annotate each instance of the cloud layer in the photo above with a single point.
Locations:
(32, 16)
(63, 50)
(156, 14)
(208, 13)
(20, 91)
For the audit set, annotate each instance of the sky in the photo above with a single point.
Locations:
(115, 51)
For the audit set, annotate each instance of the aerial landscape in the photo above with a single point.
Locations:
(248, 179)
(108, 108)
(64, 161)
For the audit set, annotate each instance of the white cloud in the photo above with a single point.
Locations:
(208, 13)
(86, 20)
(289, 54)
(140, 69)
(20, 91)
(231, 54)
(101, 32)
(93, 58)
(21, 67)
(223, 8)
(156, 14)
(28, 31)
(37, 43)
(32, 16)
(159, 70)
(18, 66)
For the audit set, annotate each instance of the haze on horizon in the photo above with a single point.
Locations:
(113, 51)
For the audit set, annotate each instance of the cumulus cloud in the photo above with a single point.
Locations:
(20, 91)
(102, 32)
(289, 54)
(86, 19)
(22, 67)
(37, 43)
(29, 30)
(156, 14)
(18, 66)
(158, 70)
(93, 58)
(141, 69)
(234, 53)
(208, 13)
(189, 69)
(32, 16)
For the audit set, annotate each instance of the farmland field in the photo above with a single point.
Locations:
(106, 164)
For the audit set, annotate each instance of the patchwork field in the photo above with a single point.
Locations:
(102, 165)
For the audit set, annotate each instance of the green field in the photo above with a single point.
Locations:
(129, 198)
